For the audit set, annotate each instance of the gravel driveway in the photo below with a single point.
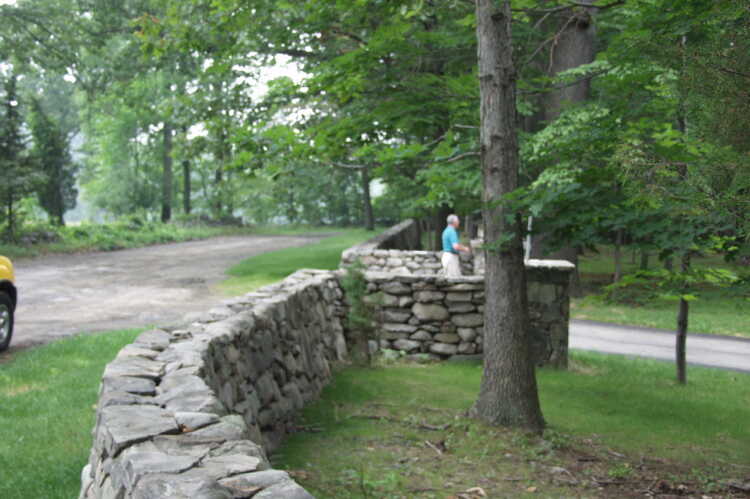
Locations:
(62, 295)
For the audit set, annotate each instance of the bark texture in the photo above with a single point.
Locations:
(574, 45)
(682, 328)
(508, 394)
(166, 186)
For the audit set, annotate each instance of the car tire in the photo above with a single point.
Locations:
(6, 320)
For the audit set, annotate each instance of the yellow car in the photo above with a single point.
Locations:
(8, 297)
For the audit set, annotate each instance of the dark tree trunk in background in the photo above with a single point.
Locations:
(644, 260)
(166, 186)
(367, 200)
(682, 327)
(574, 46)
(618, 255)
(186, 190)
(218, 183)
(508, 393)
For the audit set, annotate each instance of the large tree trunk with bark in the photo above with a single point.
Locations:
(508, 393)
(573, 46)
(166, 186)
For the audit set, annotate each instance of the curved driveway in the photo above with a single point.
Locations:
(62, 295)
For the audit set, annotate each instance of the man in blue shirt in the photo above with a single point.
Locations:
(451, 248)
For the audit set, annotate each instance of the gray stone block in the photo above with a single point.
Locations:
(468, 320)
(120, 426)
(406, 345)
(447, 338)
(429, 312)
(467, 334)
(443, 349)
(247, 484)
(287, 489)
(155, 339)
(137, 367)
(128, 384)
(161, 486)
(421, 335)
(191, 421)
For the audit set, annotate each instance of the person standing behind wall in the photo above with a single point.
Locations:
(451, 248)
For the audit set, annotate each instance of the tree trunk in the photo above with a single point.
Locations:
(618, 255)
(508, 393)
(644, 260)
(574, 46)
(218, 188)
(682, 327)
(367, 200)
(186, 186)
(166, 185)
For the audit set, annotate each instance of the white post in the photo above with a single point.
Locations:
(527, 242)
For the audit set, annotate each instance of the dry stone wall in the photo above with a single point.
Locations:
(191, 413)
(443, 317)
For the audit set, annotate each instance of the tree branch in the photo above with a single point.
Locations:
(349, 167)
(458, 157)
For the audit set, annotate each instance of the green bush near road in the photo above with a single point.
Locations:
(127, 233)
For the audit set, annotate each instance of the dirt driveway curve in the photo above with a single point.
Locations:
(62, 295)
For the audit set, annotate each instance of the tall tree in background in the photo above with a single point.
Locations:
(51, 153)
(18, 176)
(508, 393)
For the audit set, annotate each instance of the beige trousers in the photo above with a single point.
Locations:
(451, 264)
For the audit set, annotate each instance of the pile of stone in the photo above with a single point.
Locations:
(428, 314)
(443, 317)
(192, 412)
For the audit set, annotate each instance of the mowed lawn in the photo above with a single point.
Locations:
(401, 430)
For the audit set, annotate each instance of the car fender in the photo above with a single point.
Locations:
(7, 278)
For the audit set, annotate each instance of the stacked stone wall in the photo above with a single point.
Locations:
(443, 317)
(191, 413)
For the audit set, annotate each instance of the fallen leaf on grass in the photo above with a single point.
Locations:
(531, 489)
(472, 493)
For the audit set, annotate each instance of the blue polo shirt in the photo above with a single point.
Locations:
(450, 236)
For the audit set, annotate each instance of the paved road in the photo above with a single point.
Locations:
(62, 295)
(702, 349)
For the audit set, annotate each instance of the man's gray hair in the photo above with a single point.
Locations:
(452, 218)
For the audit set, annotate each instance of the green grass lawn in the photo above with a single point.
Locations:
(48, 394)
(716, 311)
(610, 419)
(375, 432)
(47, 403)
(267, 268)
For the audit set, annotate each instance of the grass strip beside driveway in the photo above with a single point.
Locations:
(260, 270)
(48, 397)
